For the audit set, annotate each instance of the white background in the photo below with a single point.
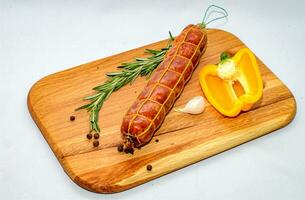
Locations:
(39, 37)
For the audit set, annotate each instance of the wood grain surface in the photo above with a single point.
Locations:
(183, 139)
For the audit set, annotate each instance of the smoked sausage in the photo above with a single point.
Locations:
(165, 85)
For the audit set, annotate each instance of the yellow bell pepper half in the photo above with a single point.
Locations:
(234, 85)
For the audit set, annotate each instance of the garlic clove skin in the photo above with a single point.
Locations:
(194, 106)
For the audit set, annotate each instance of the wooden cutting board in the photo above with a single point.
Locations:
(183, 139)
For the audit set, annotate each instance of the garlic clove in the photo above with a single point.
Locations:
(194, 106)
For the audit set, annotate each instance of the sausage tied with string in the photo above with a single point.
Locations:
(148, 111)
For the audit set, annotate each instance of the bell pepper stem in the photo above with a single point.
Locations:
(224, 55)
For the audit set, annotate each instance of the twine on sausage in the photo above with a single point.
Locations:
(128, 144)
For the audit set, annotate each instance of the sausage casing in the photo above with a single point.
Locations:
(165, 85)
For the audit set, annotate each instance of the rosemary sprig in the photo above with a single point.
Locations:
(127, 74)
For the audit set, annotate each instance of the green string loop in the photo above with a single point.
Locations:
(206, 15)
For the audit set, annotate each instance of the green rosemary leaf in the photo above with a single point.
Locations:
(113, 74)
(171, 36)
(104, 87)
(83, 107)
(152, 51)
(92, 96)
(140, 59)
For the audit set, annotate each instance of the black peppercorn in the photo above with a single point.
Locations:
(120, 148)
(96, 135)
(157, 140)
(72, 118)
(96, 143)
(149, 167)
(89, 136)
(130, 150)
